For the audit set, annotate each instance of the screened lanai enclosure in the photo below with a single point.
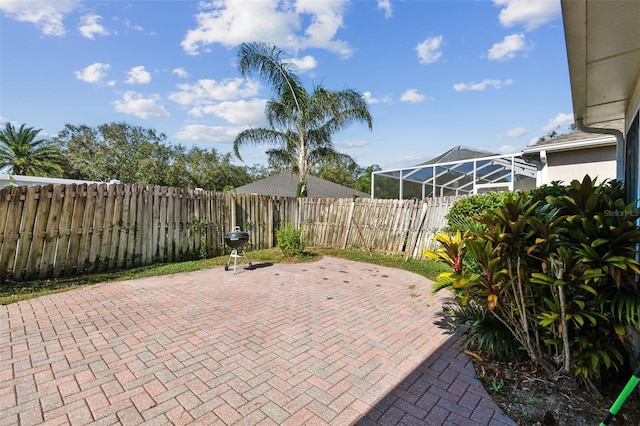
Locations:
(459, 171)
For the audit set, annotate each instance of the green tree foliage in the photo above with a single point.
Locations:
(22, 154)
(119, 151)
(133, 154)
(460, 216)
(554, 133)
(340, 169)
(301, 123)
(364, 178)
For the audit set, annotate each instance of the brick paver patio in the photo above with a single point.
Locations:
(332, 342)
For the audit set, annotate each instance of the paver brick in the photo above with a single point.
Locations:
(332, 342)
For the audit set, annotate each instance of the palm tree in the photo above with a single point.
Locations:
(22, 154)
(301, 124)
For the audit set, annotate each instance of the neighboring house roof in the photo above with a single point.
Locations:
(284, 184)
(458, 153)
(572, 141)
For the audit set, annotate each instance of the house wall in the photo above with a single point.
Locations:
(525, 183)
(566, 166)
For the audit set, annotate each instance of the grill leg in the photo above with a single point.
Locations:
(235, 254)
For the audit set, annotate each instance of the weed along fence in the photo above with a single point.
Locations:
(52, 231)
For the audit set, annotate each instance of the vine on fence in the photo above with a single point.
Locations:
(201, 226)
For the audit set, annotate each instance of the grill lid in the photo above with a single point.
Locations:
(237, 235)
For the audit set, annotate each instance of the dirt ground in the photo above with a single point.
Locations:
(529, 399)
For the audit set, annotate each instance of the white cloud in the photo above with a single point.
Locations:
(516, 132)
(93, 73)
(199, 132)
(138, 75)
(90, 27)
(180, 72)
(429, 51)
(473, 86)
(326, 19)
(46, 15)
(127, 23)
(560, 120)
(402, 160)
(232, 22)
(353, 144)
(304, 64)
(412, 95)
(208, 91)
(385, 5)
(136, 104)
(509, 47)
(250, 113)
(508, 149)
(530, 13)
(371, 100)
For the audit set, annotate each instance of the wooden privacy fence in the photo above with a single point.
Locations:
(52, 231)
(385, 226)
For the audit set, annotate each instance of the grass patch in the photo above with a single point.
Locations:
(11, 292)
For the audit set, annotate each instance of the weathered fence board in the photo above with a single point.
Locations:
(50, 231)
(26, 231)
(39, 232)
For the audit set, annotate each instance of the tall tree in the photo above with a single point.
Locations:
(340, 169)
(133, 154)
(22, 154)
(301, 124)
(119, 151)
(364, 179)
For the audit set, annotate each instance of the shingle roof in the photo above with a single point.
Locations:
(576, 136)
(284, 185)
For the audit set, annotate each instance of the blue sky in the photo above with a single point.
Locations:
(486, 74)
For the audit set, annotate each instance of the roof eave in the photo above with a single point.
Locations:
(569, 146)
(603, 59)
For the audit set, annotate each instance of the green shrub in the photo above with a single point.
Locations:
(485, 332)
(289, 240)
(460, 216)
(558, 267)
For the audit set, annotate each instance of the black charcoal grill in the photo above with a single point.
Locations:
(236, 240)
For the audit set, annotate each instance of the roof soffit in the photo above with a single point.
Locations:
(603, 50)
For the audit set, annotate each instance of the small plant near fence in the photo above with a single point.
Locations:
(200, 226)
(289, 240)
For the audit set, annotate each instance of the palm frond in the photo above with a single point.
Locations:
(267, 61)
(258, 136)
(22, 154)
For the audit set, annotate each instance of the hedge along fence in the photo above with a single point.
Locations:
(52, 231)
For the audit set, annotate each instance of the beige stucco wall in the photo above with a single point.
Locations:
(566, 166)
